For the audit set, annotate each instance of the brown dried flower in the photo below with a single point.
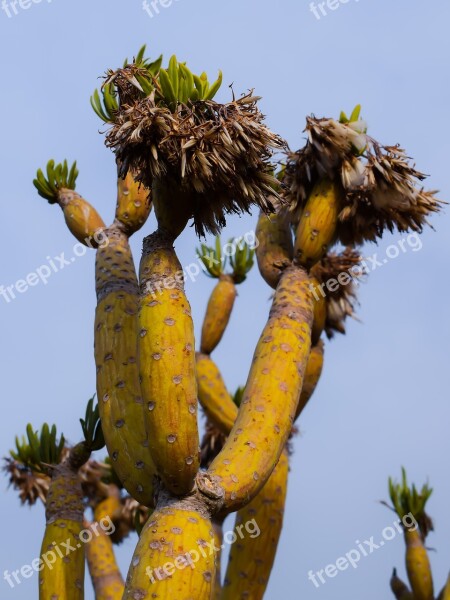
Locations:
(340, 300)
(216, 155)
(382, 190)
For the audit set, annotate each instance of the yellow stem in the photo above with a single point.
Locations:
(271, 395)
(167, 353)
(316, 231)
(104, 571)
(133, 203)
(62, 551)
(173, 206)
(257, 531)
(83, 221)
(218, 313)
(116, 355)
(175, 558)
(213, 395)
(418, 566)
(312, 375)
(218, 541)
(275, 247)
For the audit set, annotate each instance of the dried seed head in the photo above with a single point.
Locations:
(31, 485)
(218, 154)
(382, 190)
(343, 268)
(212, 443)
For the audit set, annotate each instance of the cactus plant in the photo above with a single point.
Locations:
(192, 158)
(408, 501)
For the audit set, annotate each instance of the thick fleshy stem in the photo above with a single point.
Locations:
(167, 358)
(317, 227)
(312, 375)
(213, 394)
(62, 575)
(133, 204)
(257, 532)
(217, 524)
(218, 313)
(275, 248)
(271, 395)
(418, 566)
(82, 220)
(103, 569)
(117, 359)
(177, 553)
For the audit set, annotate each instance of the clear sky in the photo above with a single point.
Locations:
(383, 400)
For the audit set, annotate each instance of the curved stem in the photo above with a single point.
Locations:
(271, 395)
(275, 248)
(133, 203)
(213, 395)
(257, 531)
(311, 378)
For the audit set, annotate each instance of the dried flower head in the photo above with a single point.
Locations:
(132, 517)
(212, 443)
(30, 484)
(96, 477)
(340, 299)
(171, 130)
(382, 189)
(409, 501)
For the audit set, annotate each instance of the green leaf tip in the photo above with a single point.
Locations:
(106, 106)
(37, 450)
(91, 426)
(179, 85)
(57, 177)
(238, 395)
(242, 259)
(354, 116)
(176, 84)
(212, 258)
(408, 499)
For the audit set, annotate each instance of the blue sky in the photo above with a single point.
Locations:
(383, 398)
